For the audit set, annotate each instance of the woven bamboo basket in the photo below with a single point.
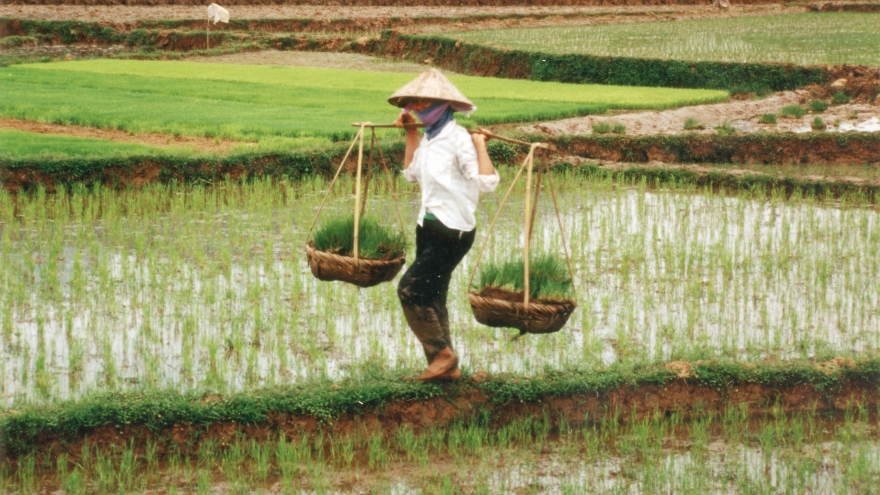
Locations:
(543, 316)
(362, 272)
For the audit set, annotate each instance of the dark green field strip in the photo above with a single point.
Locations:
(372, 390)
(474, 58)
(29, 145)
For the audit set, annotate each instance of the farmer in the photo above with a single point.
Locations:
(452, 167)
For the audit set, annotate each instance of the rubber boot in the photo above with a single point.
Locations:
(431, 327)
(444, 367)
(427, 327)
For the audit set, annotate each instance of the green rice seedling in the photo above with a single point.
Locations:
(548, 277)
(260, 455)
(840, 98)
(692, 124)
(21, 144)
(303, 105)
(618, 128)
(794, 111)
(818, 106)
(835, 39)
(768, 118)
(75, 483)
(725, 128)
(125, 470)
(601, 128)
(236, 320)
(374, 241)
(818, 124)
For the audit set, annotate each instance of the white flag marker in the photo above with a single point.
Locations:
(219, 14)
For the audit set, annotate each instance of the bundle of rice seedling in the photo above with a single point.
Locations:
(381, 252)
(498, 299)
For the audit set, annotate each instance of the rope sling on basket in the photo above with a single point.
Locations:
(496, 309)
(328, 266)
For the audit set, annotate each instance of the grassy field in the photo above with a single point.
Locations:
(259, 102)
(20, 144)
(206, 288)
(806, 39)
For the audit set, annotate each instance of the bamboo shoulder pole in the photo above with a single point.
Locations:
(530, 160)
(357, 193)
(332, 183)
(478, 131)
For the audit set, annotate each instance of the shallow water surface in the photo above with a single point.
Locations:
(208, 287)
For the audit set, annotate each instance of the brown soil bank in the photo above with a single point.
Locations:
(180, 422)
(395, 3)
(648, 157)
(816, 148)
(846, 7)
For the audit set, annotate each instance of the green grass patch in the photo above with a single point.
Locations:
(32, 145)
(795, 111)
(548, 277)
(840, 98)
(818, 105)
(17, 41)
(255, 102)
(768, 118)
(601, 128)
(725, 128)
(692, 124)
(807, 39)
(375, 241)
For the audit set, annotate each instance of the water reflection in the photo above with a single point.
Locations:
(226, 302)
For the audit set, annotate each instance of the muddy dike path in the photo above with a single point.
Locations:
(385, 401)
(398, 3)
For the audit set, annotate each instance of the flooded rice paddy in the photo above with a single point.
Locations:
(721, 453)
(207, 287)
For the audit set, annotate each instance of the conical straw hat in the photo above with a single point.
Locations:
(431, 85)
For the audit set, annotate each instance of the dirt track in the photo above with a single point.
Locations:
(125, 13)
(202, 144)
(743, 115)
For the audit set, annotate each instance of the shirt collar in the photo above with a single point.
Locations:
(443, 132)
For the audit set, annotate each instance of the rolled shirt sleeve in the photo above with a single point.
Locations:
(470, 166)
(411, 174)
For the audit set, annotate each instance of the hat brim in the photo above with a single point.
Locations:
(434, 86)
(458, 106)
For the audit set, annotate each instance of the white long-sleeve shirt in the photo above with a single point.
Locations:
(448, 171)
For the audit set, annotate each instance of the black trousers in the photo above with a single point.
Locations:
(423, 288)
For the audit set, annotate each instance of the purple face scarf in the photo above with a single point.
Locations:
(435, 117)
